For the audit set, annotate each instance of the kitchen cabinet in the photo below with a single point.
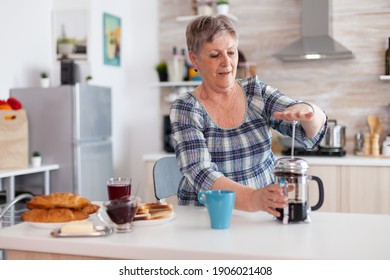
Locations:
(353, 189)
(365, 189)
(331, 178)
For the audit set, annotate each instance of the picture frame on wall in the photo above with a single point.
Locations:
(111, 39)
(70, 34)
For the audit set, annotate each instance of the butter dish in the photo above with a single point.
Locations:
(98, 231)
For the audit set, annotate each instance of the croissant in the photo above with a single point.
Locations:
(90, 209)
(57, 215)
(58, 200)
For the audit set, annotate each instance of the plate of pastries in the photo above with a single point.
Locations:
(55, 209)
(154, 213)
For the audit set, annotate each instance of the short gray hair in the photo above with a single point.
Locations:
(205, 29)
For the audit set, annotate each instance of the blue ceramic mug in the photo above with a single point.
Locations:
(220, 204)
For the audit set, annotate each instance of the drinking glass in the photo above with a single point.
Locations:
(118, 187)
(119, 213)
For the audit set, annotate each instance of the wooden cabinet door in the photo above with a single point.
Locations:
(365, 189)
(330, 176)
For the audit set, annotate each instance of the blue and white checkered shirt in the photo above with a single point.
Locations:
(206, 151)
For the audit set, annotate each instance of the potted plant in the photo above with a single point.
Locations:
(88, 79)
(162, 70)
(36, 159)
(45, 81)
(222, 7)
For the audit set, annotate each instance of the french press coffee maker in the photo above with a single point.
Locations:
(292, 175)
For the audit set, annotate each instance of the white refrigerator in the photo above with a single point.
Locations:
(71, 126)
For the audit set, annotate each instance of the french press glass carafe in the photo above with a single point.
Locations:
(291, 175)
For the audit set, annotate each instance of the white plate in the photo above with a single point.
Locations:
(47, 225)
(153, 222)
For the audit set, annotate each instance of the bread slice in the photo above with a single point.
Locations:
(150, 204)
(142, 217)
(142, 211)
(154, 211)
(164, 214)
(167, 208)
(156, 206)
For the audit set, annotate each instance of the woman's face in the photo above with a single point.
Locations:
(217, 63)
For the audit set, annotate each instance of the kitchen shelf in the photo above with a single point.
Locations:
(384, 77)
(179, 84)
(188, 18)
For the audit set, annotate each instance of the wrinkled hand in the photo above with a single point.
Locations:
(298, 112)
(268, 198)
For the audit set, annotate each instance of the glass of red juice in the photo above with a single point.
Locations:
(118, 187)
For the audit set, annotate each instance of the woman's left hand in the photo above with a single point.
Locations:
(311, 117)
(297, 112)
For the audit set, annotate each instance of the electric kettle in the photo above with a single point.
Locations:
(292, 175)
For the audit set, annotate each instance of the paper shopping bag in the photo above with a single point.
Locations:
(13, 139)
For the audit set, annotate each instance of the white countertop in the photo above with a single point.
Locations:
(348, 160)
(251, 236)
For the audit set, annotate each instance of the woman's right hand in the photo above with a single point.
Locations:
(268, 198)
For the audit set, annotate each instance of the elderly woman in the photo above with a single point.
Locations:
(221, 130)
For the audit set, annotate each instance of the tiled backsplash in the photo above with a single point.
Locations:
(348, 90)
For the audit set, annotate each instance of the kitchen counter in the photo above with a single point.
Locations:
(348, 160)
(188, 236)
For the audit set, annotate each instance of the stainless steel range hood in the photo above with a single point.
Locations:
(316, 42)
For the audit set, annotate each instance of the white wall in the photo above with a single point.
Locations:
(136, 121)
(26, 49)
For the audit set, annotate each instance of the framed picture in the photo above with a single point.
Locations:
(112, 39)
(70, 34)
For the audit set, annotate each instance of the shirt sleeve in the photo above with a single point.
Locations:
(268, 100)
(190, 144)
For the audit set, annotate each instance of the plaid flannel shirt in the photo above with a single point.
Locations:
(206, 151)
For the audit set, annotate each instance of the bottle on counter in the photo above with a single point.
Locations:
(185, 61)
(386, 146)
(176, 67)
(359, 144)
(387, 59)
